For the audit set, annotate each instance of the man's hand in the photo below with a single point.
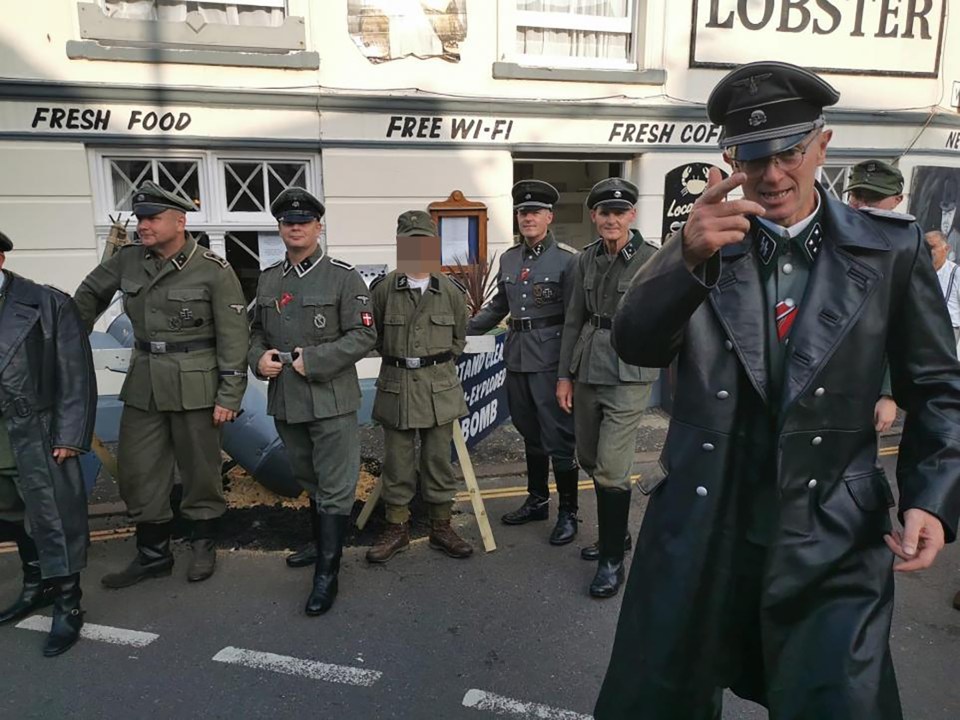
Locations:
(222, 415)
(565, 395)
(884, 413)
(715, 221)
(62, 453)
(268, 367)
(298, 363)
(918, 545)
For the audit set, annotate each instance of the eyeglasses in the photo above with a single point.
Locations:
(789, 159)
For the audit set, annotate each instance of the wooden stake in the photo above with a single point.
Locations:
(370, 504)
(106, 457)
(473, 489)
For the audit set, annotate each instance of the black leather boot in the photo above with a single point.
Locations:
(67, 616)
(35, 593)
(566, 528)
(153, 559)
(613, 510)
(592, 552)
(331, 531)
(203, 545)
(306, 554)
(537, 504)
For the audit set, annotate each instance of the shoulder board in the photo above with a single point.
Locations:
(341, 263)
(456, 283)
(652, 243)
(377, 280)
(277, 264)
(512, 248)
(889, 214)
(213, 257)
(567, 248)
(593, 244)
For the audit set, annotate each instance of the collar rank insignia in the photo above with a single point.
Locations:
(813, 242)
(628, 251)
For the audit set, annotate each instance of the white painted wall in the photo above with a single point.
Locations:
(46, 208)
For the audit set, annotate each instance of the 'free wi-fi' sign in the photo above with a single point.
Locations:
(681, 188)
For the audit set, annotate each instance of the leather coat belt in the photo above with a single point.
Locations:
(415, 363)
(163, 348)
(528, 324)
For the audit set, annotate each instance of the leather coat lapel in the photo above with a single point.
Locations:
(837, 291)
(739, 303)
(20, 312)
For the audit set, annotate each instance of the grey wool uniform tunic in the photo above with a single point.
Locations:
(322, 306)
(534, 286)
(609, 394)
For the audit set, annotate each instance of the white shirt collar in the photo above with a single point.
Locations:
(797, 228)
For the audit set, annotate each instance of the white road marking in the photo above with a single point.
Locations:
(103, 633)
(480, 700)
(287, 665)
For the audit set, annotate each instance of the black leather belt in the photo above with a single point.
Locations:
(414, 363)
(528, 324)
(163, 348)
(604, 323)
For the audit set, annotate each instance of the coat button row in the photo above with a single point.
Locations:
(707, 447)
(816, 441)
(819, 392)
(812, 483)
(723, 395)
(701, 491)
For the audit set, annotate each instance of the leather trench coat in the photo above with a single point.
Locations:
(825, 584)
(48, 398)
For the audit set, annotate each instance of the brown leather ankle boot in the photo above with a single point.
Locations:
(395, 537)
(444, 538)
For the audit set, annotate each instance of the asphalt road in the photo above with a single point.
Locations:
(507, 634)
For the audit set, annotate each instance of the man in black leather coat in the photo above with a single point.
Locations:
(766, 556)
(48, 403)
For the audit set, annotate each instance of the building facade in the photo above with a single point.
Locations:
(378, 106)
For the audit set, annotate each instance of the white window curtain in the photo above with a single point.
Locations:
(560, 37)
(225, 12)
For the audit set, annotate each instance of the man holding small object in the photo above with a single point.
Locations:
(313, 322)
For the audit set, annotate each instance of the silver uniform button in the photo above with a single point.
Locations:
(789, 302)
(701, 491)
(728, 344)
(524, 295)
(816, 441)
(723, 395)
(523, 309)
(819, 392)
(787, 268)
(812, 483)
(707, 447)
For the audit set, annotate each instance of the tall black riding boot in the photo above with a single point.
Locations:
(613, 511)
(566, 528)
(331, 532)
(307, 553)
(67, 616)
(35, 593)
(537, 504)
(203, 545)
(153, 559)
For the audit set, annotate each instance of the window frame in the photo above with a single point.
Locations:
(511, 19)
(110, 38)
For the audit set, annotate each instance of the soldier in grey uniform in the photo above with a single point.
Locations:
(534, 284)
(186, 379)
(605, 394)
(313, 322)
(421, 317)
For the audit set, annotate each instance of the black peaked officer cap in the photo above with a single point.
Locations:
(767, 107)
(613, 193)
(534, 195)
(150, 199)
(6, 244)
(296, 205)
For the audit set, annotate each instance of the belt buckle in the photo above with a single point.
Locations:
(413, 363)
(526, 324)
(158, 347)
